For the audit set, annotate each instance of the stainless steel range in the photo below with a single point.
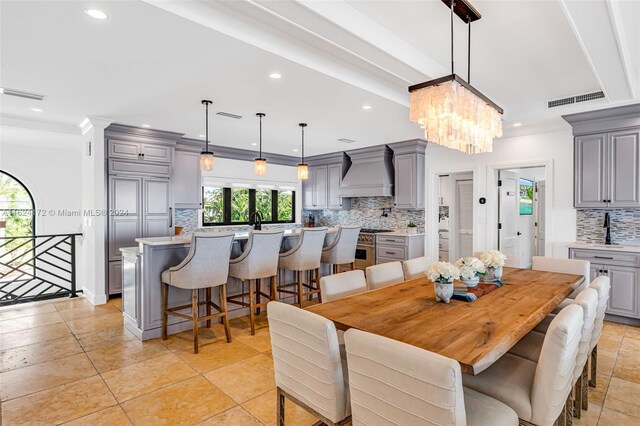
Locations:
(366, 248)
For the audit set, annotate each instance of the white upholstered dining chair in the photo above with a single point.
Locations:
(530, 346)
(393, 383)
(258, 260)
(337, 286)
(342, 250)
(602, 285)
(384, 274)
(206, 266)
(415, 268)
(309, 367)
(538, 392)
(564, 266)
(304, 256)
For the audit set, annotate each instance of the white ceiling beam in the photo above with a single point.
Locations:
(248, 22)
(595, 31)
(621, 35)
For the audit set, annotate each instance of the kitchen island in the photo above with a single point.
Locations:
(141, 284)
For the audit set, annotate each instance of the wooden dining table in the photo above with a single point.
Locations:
(476, 334)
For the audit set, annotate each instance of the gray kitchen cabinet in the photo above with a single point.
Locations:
(623, 269)
(624, 168)
(334, 201)
(623, 299)
(131, 279)
(141, 207)
(308, 187)
(409, 173)
(394, 247)
(115, 271)
(139, 151)
(320, 182)
(157, 211)
(590, 171)
(187, 180)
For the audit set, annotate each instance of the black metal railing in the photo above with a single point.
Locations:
(37, 267)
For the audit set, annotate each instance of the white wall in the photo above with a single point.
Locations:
(553, 149)
(49, 165)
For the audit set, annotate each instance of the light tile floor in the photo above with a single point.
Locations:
(68, 362)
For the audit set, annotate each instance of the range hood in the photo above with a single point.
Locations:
(371, 173)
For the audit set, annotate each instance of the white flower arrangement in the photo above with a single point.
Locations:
(493, 259)
(442, 271)
(470, 268)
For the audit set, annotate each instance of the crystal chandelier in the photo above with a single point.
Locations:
(206, 156)
(260, 164)
(451, 111)
(303, 168)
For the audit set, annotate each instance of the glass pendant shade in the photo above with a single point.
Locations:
(260, 166)
(454, 116)
(206, 161)
(303, 171)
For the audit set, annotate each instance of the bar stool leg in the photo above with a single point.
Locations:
(300, 289)
(194, 307)
(258, 296)
(353, 266)
(274, 288)
(317, 273)
(208, 293)
(584, 379)
(251, 307)
(225, 317)
(165, 302)
(594, 366)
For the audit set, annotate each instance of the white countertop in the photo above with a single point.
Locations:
(401, 233)
(186, 239)
(130, 250)
(615, 247)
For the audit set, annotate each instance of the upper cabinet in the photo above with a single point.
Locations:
(607, 170)
(139, 151)
(409, 166)
(607, 157)
(187, 188)
(320, 191)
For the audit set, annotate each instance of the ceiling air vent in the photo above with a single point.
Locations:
(20, 94)
(228, 115)
(575, 99)
(345, 140)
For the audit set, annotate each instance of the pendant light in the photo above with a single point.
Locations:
(451, 111)
(303, 168)
(206, 156)
(260, 164)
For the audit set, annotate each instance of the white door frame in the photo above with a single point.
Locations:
(492, 197)
(432, 203)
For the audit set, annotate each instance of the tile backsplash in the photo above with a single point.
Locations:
(188, 219)
(625, 225)
(367, 211)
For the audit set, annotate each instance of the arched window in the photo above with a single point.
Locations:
(17, 209)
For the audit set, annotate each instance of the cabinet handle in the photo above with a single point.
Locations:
(603, 257)
(170, 217)
(390, 252)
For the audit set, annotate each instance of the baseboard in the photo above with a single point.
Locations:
(91, 297)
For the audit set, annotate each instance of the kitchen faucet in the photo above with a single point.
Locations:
(607, 225)
(255, 219)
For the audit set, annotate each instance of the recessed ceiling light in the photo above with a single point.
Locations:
(295, 150)
(146, 125)
(275, 75)
(517, 124)
(254, 144)
(366, 106)
(202, 136)
(37, 109)
(96, 14)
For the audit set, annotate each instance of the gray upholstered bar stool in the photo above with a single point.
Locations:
(206, 266)
(304, 257)
(258, 260)
(342, 250)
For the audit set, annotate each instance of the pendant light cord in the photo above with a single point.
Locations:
(469, 52)
(260, 136)
(452, 5)
(302, 144)
(206, 126)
